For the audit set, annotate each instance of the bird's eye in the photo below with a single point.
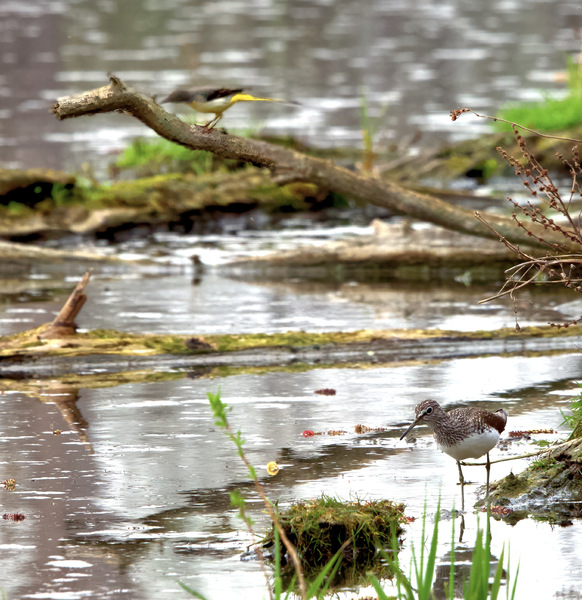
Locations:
(428, 410)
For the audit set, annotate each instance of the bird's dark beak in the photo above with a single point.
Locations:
(412, 426)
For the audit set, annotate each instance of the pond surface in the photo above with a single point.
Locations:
(125, 489)
(413, 64)
(136, 497)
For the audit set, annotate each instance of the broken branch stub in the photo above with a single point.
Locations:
(64, 323)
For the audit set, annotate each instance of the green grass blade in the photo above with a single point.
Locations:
(427, 573)
(514, 583)
(278, 583)
(191, 591)
(318, 582)
(497, 577)
(451, 590)
(378, 588)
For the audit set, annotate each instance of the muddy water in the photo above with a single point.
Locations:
(125, 489)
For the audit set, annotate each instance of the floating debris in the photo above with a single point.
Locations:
(517, 434)
(325, 392)
(9, 484)
(272, 468)
(366, 429)
(14, 517)
(310, 433)
(500, 511)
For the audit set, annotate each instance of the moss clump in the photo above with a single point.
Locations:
(550, 486)
(318, 529)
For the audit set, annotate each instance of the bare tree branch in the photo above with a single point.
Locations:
(288, 165)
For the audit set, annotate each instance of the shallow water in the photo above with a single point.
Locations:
(170, 296)
(413, 66)
(132, 495)
(136, 498)
(124, 490)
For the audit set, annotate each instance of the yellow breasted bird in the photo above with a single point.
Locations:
(214, 100)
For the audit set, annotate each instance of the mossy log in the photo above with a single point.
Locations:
(30, 354)
(154, 200)
(29, 186)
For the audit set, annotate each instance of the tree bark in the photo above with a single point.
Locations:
(288, 165)
(64, 324)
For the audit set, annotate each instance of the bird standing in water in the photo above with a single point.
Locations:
(214, 100)
(462, 432)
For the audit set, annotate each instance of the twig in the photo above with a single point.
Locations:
(543, 451)
(538, 133)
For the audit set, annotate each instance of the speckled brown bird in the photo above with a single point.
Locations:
(462, 432)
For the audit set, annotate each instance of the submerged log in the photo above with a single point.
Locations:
(396, 251)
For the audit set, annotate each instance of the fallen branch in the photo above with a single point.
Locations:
(288, 165)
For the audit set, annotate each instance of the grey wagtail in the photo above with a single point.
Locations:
(214, 100)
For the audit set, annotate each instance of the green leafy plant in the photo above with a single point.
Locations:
(220, 410)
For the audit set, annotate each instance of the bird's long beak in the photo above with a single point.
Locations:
(414, 424)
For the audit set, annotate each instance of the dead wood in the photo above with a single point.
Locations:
(64, 324)
(288, 165)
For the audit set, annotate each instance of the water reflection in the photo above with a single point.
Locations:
(129, 299)
(421, 62)
(134, 490)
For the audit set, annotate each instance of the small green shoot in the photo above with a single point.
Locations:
(370, 128)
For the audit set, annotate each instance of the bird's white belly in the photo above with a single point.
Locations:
(212, 106)
(474, 446)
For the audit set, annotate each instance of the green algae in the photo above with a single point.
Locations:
(111, 341)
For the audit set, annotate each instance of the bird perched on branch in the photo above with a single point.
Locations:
(214, 100)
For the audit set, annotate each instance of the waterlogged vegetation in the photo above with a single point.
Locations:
(109, 341)
(551, 113)
(331, 543)
(322, 526)
(551, 487)
(420, 583)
